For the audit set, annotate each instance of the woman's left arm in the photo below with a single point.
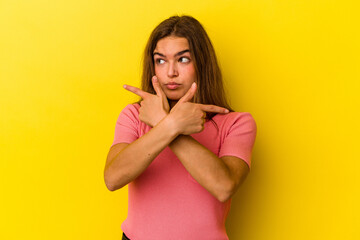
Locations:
(220, 176)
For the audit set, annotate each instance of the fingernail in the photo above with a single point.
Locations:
(226, 111)
(155, 79)
(124, 86)
(193, 85)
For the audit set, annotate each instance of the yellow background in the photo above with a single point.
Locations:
(294, 65)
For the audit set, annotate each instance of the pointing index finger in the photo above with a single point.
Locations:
(213, 108)
(136, 90)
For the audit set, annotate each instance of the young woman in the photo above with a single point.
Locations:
(180, 149)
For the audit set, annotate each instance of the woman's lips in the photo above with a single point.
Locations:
(172, 86)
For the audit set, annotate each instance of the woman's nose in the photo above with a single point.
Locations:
(172, 70)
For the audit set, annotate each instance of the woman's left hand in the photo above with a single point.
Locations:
(153, 107)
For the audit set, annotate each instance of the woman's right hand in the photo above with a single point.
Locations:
(153, 107)
(188, 117)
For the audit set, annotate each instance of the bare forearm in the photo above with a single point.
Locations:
(203, 165)
(131, 161)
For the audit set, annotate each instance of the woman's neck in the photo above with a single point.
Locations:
(172, 104)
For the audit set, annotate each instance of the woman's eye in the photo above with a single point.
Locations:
(186, 59)
(159, 60)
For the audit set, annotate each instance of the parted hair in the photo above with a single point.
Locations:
(210, 89)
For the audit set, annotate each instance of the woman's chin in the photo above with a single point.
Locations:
(174, 97)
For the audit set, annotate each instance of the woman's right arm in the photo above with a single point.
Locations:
(125, 162)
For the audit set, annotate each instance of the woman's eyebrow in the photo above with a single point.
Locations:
(177, 54)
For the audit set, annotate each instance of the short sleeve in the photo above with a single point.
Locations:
(239, 136)
(126, 129)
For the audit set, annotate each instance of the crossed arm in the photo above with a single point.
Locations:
(125, 162)
(220, 176)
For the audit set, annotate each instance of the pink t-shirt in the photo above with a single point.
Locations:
(165, 201)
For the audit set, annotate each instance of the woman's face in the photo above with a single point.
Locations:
(174, 67)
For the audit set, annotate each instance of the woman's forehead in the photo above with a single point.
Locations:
(171, 46)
